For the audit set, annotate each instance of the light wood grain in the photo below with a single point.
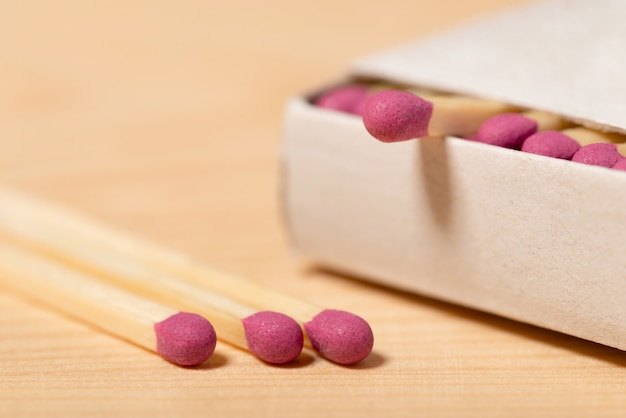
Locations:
(164, 118)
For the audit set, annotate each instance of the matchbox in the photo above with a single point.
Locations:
(528, 237)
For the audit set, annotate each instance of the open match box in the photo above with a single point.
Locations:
(525, 236)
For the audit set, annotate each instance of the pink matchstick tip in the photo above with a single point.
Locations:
(185, 339)
(273, 337)
(599, 153)
(620, 165)
(350, 99)
(395, 115)
(340, 336)
(508, 130)
(551, 144)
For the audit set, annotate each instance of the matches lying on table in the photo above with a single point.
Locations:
(394, 113)
(125, 286)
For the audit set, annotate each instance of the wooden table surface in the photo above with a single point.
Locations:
(164, 118)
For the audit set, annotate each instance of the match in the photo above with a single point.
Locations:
(185, 339)
(397, 115)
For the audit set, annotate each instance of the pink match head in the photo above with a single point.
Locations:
(340, 336)
(551, 144)
(508, 130)
(273, 337)
(350, 99)
(185, 339)
(599, 153)
(394, 115)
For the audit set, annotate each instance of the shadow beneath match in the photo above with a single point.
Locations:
(553, 338)
(216, 361)
(304, 359)
(372, 361)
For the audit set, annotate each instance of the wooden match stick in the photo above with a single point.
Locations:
(399, 115)
(585, 136)
(547, 121)
(455, 115)
(171, 277)
(182, 338)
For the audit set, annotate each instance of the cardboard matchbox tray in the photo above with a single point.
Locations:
(527, 237)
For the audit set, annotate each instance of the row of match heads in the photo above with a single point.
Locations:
(157, 298)
(189, 339)
(394, 113)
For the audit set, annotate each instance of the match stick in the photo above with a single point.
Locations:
(461, 115)
(185, 339)
(585, 136)
(174, 278)
(398, 115)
